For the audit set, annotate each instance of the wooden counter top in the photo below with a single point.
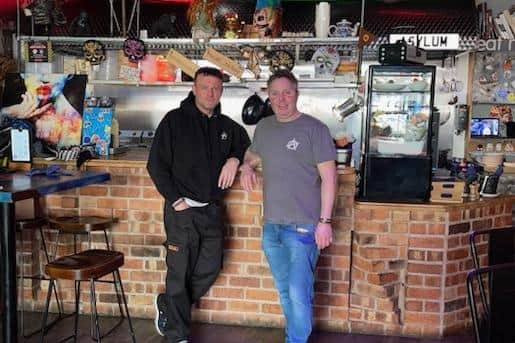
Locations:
(134, 158)
(433, 205)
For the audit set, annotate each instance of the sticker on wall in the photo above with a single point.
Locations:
(502, 92)
(39, 51)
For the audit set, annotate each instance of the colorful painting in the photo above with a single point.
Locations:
(97, 128)
(53, 103)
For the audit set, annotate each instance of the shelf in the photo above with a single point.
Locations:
(195, 48)
(493, 103)
(244, 83)
(401, 91)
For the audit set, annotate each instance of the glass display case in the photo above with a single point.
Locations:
(397, 140)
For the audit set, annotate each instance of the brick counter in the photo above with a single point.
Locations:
(408, 262)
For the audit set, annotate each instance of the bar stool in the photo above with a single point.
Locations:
(82, 225)
(34, 224)
(88, 265)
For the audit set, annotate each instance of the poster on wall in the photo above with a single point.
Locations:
(51, 103)
(494, 78)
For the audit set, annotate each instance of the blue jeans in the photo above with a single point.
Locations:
(292, 254)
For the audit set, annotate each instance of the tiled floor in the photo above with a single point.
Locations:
(209, 333)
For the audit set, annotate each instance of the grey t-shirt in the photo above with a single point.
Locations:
(290, 152)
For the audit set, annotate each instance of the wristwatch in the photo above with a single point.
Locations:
(324, 220)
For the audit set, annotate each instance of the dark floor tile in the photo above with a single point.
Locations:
(211, 333)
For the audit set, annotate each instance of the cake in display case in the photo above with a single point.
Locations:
(397, 139)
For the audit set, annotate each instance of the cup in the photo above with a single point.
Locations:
(322, 19)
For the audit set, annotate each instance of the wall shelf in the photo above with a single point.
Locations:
(195, 48)
(493, 103)
(244, 83)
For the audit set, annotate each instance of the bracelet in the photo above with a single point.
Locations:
(325, 220)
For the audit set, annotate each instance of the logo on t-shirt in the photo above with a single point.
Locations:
(224, 136)
(292, 145)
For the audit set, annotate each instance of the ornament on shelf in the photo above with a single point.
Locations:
(268, 18)
(47, 12)
(326, 60)
(165, 26)
(232, 26)
(202, 19)
(80, 25)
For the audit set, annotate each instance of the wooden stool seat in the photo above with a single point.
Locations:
(82, 224)
(89, 265)
(85, 265)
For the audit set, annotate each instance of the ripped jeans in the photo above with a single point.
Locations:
(292, 254)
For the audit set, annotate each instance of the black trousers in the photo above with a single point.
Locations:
(194, 245)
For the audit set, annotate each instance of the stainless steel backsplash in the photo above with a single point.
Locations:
(142, 107)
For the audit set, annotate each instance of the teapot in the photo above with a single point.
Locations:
(343, 28)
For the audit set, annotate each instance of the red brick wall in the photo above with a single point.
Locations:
(408, 262)
(409, 265)
(243, 294)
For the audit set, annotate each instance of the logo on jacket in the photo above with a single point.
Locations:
(292, 145)
(224, 136)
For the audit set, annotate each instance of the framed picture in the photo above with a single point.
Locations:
(52, 103)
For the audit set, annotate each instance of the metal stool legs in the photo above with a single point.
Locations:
(119, 279)
(41, 278)
(95, 326)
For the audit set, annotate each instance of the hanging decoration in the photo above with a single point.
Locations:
(281, 59)
(254, 57)
(94, 52)
(134, 49)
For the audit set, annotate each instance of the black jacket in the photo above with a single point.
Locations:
(189, 150)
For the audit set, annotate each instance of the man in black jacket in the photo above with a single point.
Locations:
(194, 158)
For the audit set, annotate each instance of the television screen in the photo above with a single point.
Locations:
(484, 127)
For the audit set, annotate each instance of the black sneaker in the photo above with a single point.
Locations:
(161, 319)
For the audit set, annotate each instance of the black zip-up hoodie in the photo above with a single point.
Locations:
(189, 150)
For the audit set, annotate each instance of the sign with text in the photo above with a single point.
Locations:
(39, 51)
(429, 41)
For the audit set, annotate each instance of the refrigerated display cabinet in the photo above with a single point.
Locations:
(397, 140)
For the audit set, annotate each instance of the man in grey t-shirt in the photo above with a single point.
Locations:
(297, 155)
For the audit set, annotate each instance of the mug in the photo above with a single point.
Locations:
(342, 28)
